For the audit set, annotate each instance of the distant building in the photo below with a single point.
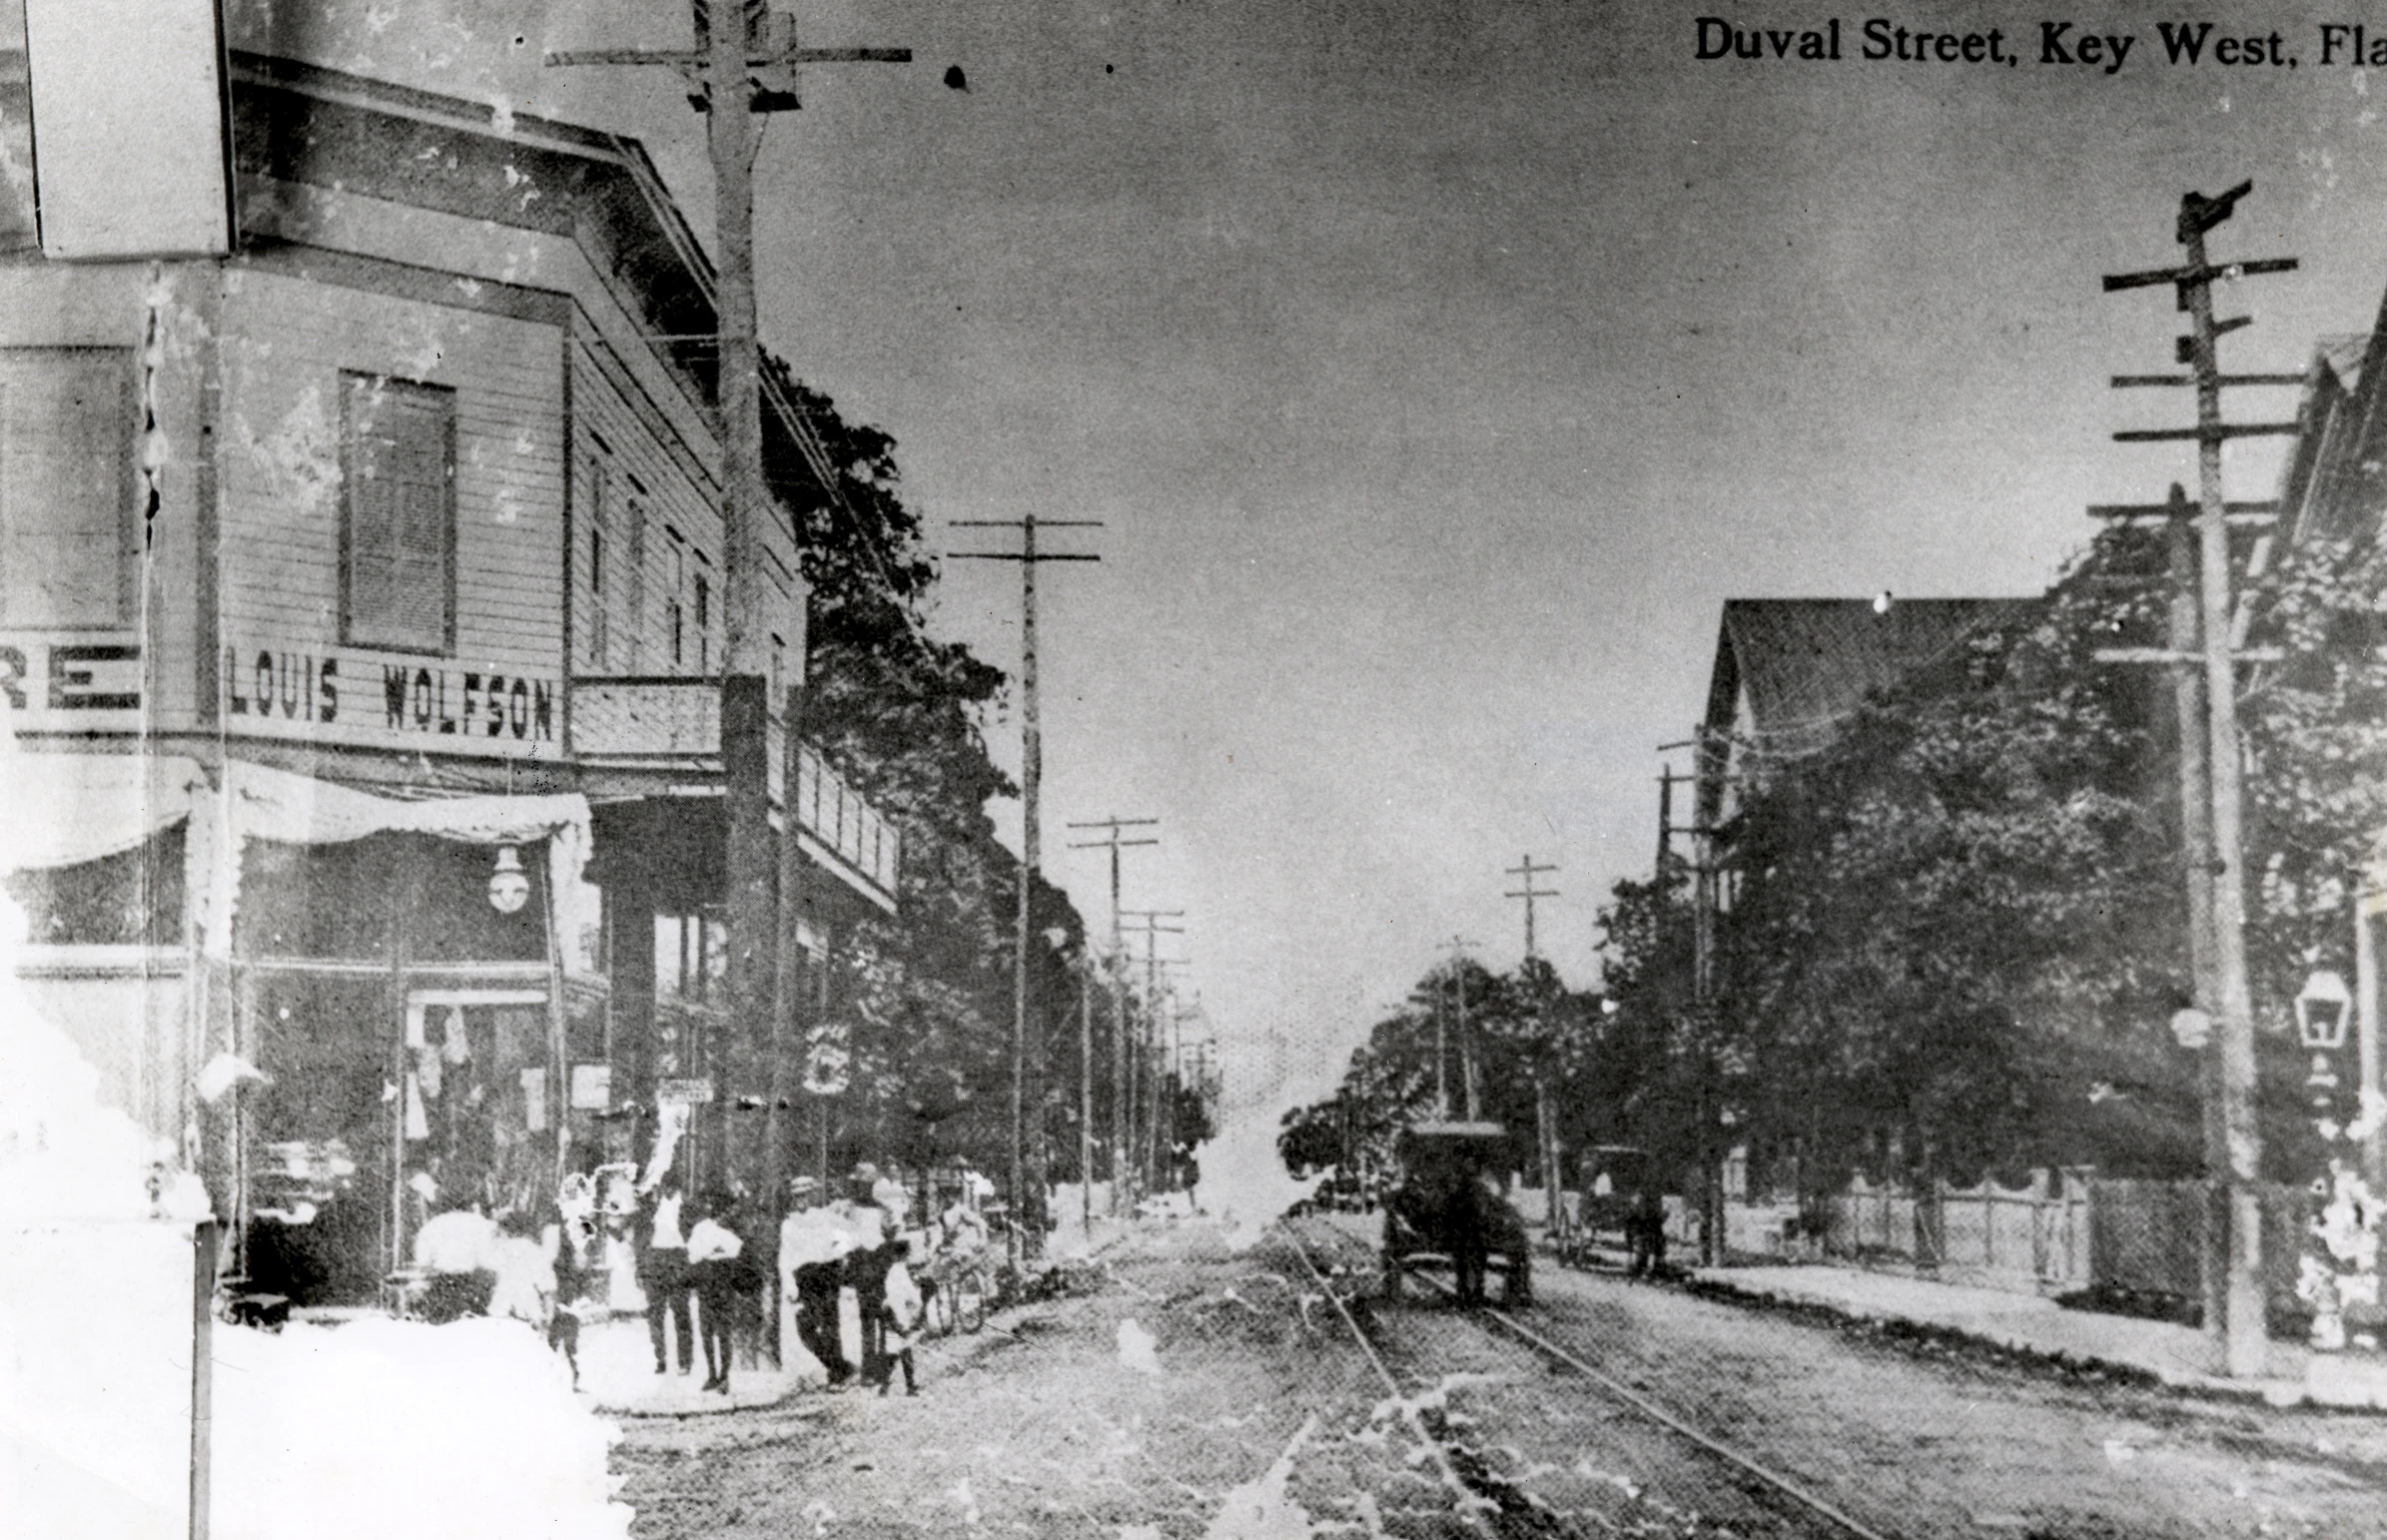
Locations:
(1788, 672)
(360, 626)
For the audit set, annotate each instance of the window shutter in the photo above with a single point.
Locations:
(634, 585)
(400, 524)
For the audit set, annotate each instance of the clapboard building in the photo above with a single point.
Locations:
(360, 630)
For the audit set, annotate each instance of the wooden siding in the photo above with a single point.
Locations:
(288, 343)
(49, 674)
(636, 473)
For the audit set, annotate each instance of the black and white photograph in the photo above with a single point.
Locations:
(1191, 770)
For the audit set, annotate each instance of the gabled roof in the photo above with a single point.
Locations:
(2329, 484)
(1806, 664)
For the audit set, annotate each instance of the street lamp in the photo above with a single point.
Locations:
(2322, 1008)
(509, 885)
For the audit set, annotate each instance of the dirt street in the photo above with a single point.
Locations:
(1044, 1425)
(1199, 1394)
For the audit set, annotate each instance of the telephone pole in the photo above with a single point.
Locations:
(1457, 947)
(2244, 1337)
(1526, 870)
(1139, 1132)
(757, 50)
(1707, 767)
(1118, 1017)
(1032, 755)
(1545, 1101)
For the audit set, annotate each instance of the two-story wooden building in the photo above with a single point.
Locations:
(361, 632)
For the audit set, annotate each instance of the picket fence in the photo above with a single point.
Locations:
(2064, 1231)
(2036, 1236)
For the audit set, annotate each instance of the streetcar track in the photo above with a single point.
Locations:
(1768, 1478)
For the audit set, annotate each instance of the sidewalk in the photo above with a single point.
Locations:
(617, 1373)
(2178, 1356)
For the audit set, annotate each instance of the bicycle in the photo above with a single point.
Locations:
(956, 1296)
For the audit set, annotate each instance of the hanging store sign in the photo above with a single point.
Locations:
(592, 1088)
(685, 1092)
(352, 697)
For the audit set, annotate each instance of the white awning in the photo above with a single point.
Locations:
(66, 809)
(259, 802)
(264, 803)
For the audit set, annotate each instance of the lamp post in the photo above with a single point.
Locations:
(2339, 1267)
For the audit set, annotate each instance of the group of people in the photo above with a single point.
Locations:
(513, 1265)
(830, 1242)
(703, 1264)
(696, 1252)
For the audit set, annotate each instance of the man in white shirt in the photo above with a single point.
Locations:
(714, 1246)
(663, 1274)
(813, 1242)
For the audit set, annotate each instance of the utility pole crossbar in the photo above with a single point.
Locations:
(2205, 432)
(2127, 382)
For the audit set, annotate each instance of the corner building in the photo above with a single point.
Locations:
(360, 631)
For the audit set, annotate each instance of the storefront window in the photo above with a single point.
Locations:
(354, 901)
(131, 898)
(413, 1058)
(692, 957)
(319, 1136)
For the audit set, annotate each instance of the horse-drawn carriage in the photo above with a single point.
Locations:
(1447, 1212)
(1613, 1179)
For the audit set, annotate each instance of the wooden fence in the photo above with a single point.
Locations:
(2033, 1236)
(2064, 1231)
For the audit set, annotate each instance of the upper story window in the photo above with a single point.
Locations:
(704, 622)
(674, 614)
(397, 514)
(68, 531)
(598, 515)
(634, 576)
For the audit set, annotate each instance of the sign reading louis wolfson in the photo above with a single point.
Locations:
(337, 697)
(69, 684)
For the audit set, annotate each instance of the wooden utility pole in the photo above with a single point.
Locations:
(2185, 662)
(1118, 1016)
(1545, 1107)
(1527, 871)
(1469, 1091)
(2245, 1339)
(757, 51)
(1139, 1092)
(1085, 1104)
(1032, 758)
(1704, 893)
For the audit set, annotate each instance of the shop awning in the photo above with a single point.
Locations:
(66, 809)
(260, 802)
(264, 803)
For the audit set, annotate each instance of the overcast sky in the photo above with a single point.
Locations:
(1439, 369)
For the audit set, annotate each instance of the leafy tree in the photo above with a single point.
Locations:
(1959, 929)
(925, 994)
